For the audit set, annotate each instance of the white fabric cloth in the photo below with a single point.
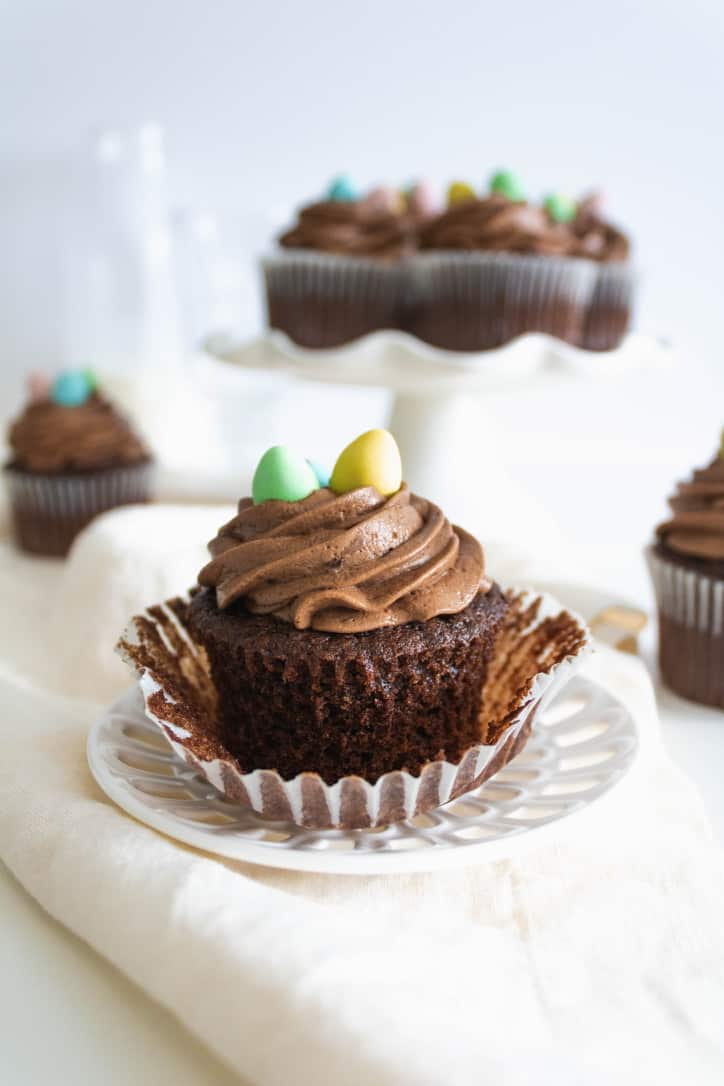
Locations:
(594, 957)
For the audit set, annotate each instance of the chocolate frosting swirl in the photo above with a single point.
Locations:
(345, 563)
(697, 525)
(497, 224)
(351, 228)
(53, 438)
(596, 238)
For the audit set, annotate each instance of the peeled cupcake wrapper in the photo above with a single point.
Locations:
(538, 649)
(691, 629)
(478, 300)
(49, 510)
(324, 300)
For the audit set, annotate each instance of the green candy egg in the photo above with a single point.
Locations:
(91, 378)
(282, 475)
(560, 208)
(505, 183)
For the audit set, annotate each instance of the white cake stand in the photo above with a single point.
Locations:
(452, 449)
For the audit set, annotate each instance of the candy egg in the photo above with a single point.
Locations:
(283, 475)
(38, 386)
(459, 192)
(384, 199)
(91, 378)
(505, 183)
(70, 389)
(560, 208)
(321, 472)
(341, 189)
(423, 201)
(372, 459)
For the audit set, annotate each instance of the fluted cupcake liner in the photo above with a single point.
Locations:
(539, 647)
(49, 511)
(691, 629)
(474, 301)
(324, 300)
(609, 311)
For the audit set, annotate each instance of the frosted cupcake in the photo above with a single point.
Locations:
(494, 267)
(336, 273)
(347, 660)
(687, 568)
(73, 456)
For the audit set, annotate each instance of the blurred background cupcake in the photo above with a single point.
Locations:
(72, 457)
(491, 268)
(687, 568)
(336, 273)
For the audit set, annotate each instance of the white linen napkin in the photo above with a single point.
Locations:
(596, 957)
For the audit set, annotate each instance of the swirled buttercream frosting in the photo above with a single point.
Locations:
(696, 527)
(361, 228)
(498, 224)
(49, 437)
(345, 563)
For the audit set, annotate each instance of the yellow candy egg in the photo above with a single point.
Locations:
(372, 459)
(459, 192)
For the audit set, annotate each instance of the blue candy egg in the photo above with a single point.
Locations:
(321, 473)
(71, 389)
(342, 189)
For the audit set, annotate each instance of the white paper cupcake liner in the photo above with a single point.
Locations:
(610, 309)
(691, 629)
(49, 510)
(479, 300)
(321, 299)
(539, 648)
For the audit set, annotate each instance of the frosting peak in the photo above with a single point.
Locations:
(697, 525)
(345, 563)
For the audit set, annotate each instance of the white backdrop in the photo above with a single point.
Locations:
(262, 104)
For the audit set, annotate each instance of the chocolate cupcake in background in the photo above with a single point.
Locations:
(73, 456)
(609, 311)
(495, 267)
(687, 568)
(336, 273)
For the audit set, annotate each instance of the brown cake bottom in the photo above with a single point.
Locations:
(348, 704)
(49, 511)
(690, 598)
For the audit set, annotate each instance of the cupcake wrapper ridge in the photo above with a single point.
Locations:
(537, 651)
(50, 510)
(691, 630)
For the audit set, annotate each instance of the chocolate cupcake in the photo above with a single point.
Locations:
(336, 274)
(609, 310)
(493, 268)
(346, 660)
(687, 568)
(72, 457)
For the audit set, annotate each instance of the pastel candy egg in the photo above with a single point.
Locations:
(38, 386)
(342, 189)
(321, 472)
(384, 200)
(70, 389)
(283, 475)
(560, 208)
(505, 183)
(372, 459)
(91, 378)
(423, 201)
(459, 192)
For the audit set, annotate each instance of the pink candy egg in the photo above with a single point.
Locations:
(423, 200)
(38, 386)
